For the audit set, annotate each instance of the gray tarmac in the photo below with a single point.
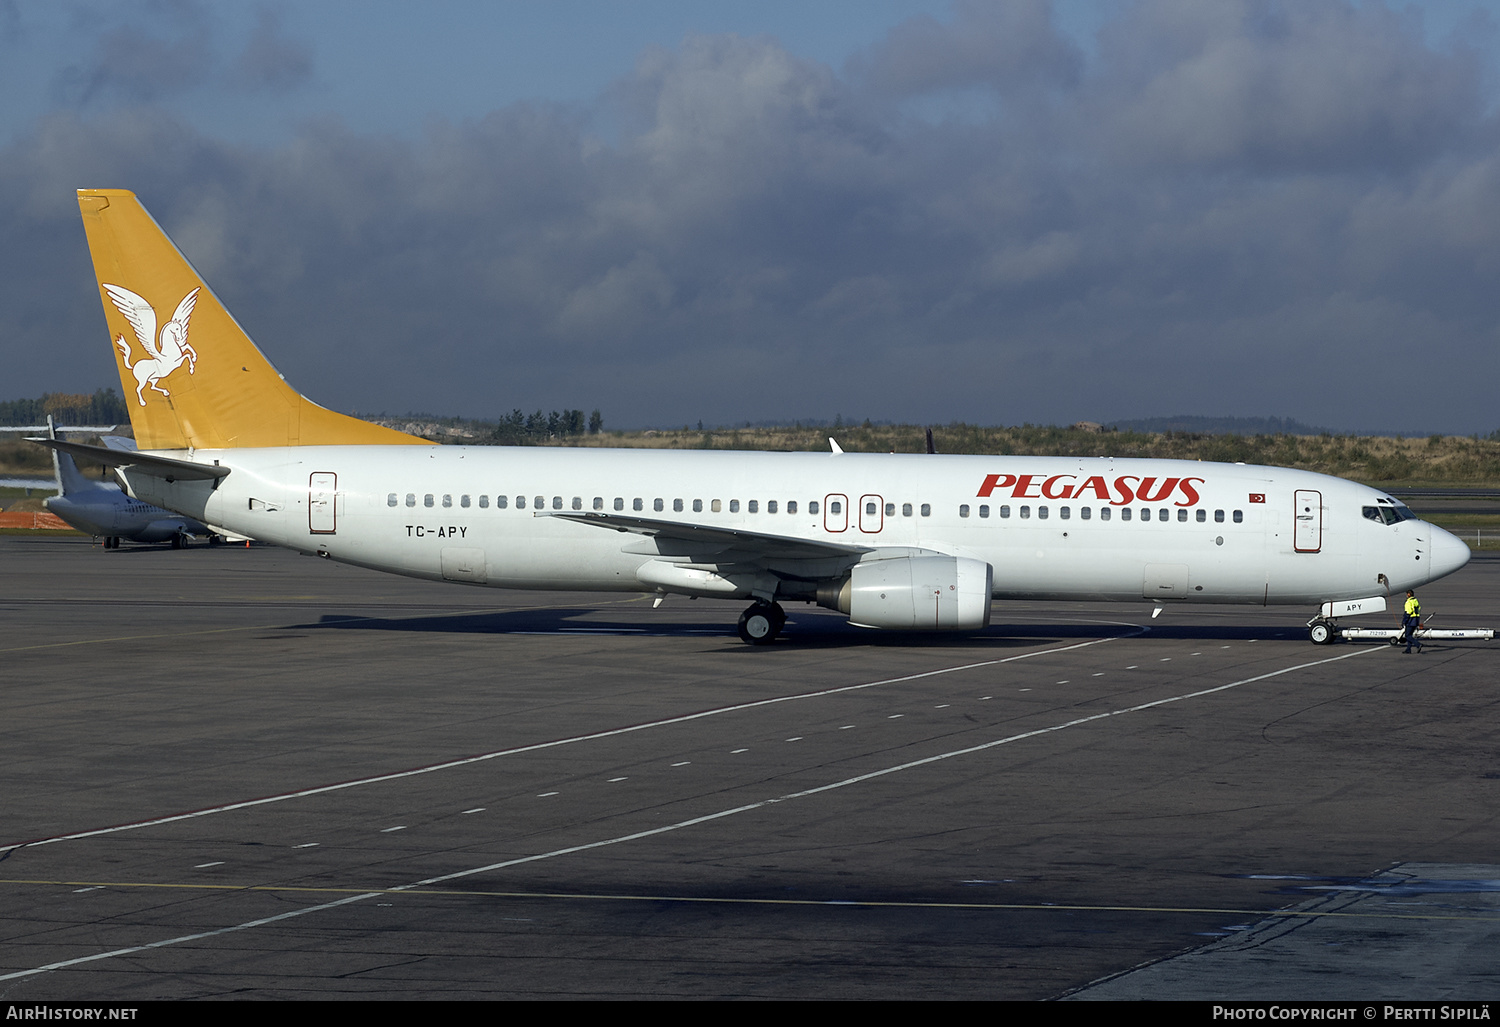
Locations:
(241, 773)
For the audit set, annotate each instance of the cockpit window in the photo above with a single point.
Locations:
(1391, 514)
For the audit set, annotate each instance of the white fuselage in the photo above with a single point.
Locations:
(1050, 527)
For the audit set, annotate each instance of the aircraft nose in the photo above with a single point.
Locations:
(1449, 553)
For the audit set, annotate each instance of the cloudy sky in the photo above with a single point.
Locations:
(673, 211)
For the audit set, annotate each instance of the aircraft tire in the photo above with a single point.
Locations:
(177, 541)
(760, 624)
(1320, 632)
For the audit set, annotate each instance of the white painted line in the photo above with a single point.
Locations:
(200, 866)
(942, 706)
(680, 825)
(388, 830)
(895, 716)
(614, 779)
(306, 845)
(684, 763)
(476, 809)
(546, 795)
(538, 746)
(735, 752)
(846, 727)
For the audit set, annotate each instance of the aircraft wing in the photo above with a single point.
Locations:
(157, 466)
(750, 543)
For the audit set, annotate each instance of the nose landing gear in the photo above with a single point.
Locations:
(760, 624)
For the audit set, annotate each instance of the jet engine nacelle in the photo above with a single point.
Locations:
(922, 593)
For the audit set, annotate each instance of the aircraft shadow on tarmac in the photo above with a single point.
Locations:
(803, 632)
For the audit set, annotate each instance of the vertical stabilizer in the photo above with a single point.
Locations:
(191, 376)
(70, 479)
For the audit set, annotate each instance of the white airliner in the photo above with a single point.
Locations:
(910, 542)
(101, 509)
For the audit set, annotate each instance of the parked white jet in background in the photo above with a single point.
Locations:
(894, 541)
(102, 509)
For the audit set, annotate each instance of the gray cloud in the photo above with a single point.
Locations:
(1251, 209)
(271, 60)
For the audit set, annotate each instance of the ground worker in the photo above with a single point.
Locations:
(1411, 620)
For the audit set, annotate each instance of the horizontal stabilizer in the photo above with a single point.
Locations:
(156, 466)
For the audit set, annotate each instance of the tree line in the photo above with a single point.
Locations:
(518, 429)
(103, 407)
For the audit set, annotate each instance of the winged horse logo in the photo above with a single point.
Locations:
(164, 354)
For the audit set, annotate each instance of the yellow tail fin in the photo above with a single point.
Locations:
(191, 376)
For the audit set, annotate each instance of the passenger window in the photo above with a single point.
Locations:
(463, 501)
(447, 501)
(753, 506)
(598, 502)
(501, 502)
(619, 503)
(1238, 516)
(1104, 513)
(1025, 512)
(926, 509)
(484, 502)
(1085, 512)
(812, 507)
(870, 509)
(1004, 510)
(697, 506)
(834, 507)
(734, 506)
(578, 502)
(557, 502)
(1163, 515)
(677, 506)
(540, 503)
(963, 509)
(905, 509)
(984, 511)
(520, 502)
(635, 504)
(658, 505)
(390, 500)
(1125, 513)
(716, 506)
(1181, 516)
(791, 506)
(411, 499)
(1041, 513)
(1202, 516)
(1218, 516)
(1064, 512)
(771, 506)
(427, 500)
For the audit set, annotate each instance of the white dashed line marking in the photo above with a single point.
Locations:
(547, 795)
(388, 830)
(614, 779)
(684, 763)
(476, 809)
(306, 845)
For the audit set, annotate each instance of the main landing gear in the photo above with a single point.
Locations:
(760, 624)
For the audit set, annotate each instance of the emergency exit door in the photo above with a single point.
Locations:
(1307, 521)
(322, 494)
